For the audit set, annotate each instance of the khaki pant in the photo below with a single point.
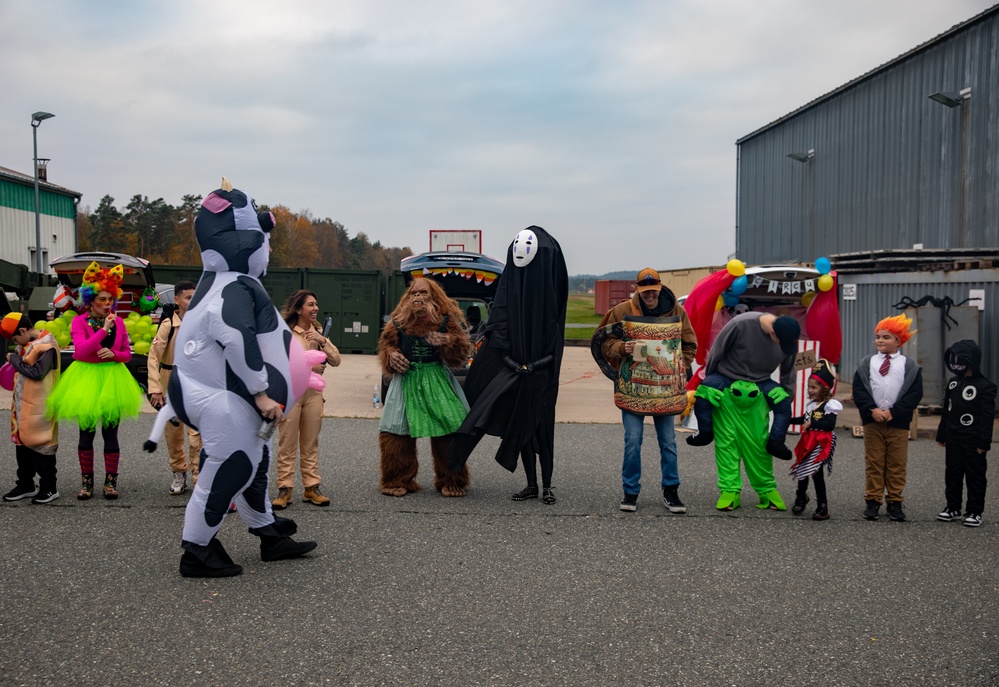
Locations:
(886, 452)
(175, 441)
(299, 432)
(179, 462)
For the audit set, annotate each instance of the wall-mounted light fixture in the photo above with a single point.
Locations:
(802, 157)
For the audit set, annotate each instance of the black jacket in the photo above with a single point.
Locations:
(908, 397)
(969, 405)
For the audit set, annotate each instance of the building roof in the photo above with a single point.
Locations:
(916, 260)
(28, 179)
(957, 28)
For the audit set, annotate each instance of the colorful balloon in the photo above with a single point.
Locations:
(736, 268)
(807, 298)
(825, 282)
(823, 265)
(740, 285)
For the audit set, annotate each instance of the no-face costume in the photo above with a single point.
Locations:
(512, 385)
(232, 346)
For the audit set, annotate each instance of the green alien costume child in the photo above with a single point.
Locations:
(741, 417)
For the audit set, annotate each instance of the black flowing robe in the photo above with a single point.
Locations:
(512, 385)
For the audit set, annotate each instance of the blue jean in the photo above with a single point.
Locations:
(631, 468)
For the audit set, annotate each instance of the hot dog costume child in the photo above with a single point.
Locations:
(233, 347)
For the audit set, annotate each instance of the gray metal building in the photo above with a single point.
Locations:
(902, 160)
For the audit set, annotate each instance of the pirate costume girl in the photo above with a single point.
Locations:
(817, 444)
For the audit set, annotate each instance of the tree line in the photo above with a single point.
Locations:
(164, 234)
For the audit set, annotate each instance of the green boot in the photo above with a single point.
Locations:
(729, 500)
(771, 499)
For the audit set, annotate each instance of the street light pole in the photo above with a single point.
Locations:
(36, 119)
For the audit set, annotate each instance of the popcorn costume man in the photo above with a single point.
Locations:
(233, 367)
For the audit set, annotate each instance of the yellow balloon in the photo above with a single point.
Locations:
(807, 298)
(720, 303)
(736, 268)
(825, 282)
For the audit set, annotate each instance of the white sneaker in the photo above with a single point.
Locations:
(973, 520)
(179, 484)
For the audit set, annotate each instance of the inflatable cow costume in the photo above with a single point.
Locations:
(237, 367)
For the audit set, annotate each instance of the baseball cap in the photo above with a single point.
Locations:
(787, 330)
(648, 280)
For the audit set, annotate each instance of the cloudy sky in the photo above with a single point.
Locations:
(611, 124)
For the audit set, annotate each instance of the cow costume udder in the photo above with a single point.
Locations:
(233, 346)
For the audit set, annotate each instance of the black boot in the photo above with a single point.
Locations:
(111, 486)
(821, 512)
(800, 501)
(207, 561)
(778, 450)
(702, 438)
(282, 548)
(276, 543)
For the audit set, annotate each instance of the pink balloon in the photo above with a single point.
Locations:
(7, 376)
(300, 362)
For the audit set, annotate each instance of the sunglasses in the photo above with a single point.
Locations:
(649, 281)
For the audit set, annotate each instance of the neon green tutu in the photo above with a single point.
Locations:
(95, 393)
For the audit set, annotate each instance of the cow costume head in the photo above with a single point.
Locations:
(232, 234)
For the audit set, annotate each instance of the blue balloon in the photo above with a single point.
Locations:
(730, 299)
(823, 265)
(739, 286)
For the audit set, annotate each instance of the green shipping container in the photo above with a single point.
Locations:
(353, 299)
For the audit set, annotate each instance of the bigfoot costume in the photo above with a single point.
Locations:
(424, 338)
(513, 383)
(231, 369)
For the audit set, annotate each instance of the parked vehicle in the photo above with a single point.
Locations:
(138, 276)
(470, 279)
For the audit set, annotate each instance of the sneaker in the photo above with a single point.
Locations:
(973, 520)
(671, 499)
(179, 484)
(45, 496)
(948, 515)
(895, 511)
(19, 492)
(315, 496)
(871, 512)
(629, 503)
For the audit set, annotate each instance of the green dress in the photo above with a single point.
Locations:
(427, 400)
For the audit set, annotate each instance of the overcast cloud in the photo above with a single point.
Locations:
(612, 125)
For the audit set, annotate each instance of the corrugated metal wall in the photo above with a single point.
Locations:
(887, 167)
(17, 236)
(877, 293)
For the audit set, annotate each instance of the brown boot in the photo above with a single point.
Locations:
(283, 499)
(314, 496)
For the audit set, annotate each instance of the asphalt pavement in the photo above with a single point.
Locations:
(426, 590)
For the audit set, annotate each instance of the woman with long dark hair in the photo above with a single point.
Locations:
(299, 430)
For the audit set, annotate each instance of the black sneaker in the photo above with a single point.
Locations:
(45, 496)
(895, 511)
(629, 503)
(871, 512)
(19, 492)
(671, 499)
(973, 520)
(948, 515)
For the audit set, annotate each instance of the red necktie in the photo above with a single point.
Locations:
(885, 366)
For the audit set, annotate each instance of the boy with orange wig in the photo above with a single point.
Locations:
(887, 387)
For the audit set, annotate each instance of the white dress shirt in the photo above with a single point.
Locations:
(886, 389)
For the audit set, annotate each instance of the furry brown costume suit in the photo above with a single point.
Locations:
(426, 325)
